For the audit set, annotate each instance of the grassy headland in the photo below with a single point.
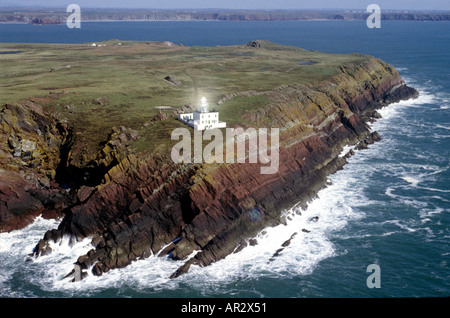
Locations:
(117, 83)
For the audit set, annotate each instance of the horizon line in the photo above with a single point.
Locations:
(37, 7)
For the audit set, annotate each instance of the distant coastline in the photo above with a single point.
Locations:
(59, 15)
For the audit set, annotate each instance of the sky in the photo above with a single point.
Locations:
(238, 4)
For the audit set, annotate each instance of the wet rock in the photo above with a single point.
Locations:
(370, 139)
(349, 154)
(77, 273)
(253, 242)
(98, 240)
(276, 254)
(375, 115)
(288, 242)
(284, 245)
(42, 248)
(243, 244)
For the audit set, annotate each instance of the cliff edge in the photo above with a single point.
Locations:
(134, 205)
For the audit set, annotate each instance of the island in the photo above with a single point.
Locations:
(85, 136)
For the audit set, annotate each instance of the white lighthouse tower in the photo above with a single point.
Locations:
(203, 105)
(203, 118)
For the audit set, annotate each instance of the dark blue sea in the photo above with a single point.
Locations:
(389, 206)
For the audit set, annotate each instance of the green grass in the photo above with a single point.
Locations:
(131, 77)
(231, 111)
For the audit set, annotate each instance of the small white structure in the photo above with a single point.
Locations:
(202, 119)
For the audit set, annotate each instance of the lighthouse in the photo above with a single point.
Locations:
(203, 105)
(203, 118)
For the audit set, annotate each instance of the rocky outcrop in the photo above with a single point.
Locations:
(30, 154)
(172, 79)
(200, 213)
(35, 169)
(240, 94)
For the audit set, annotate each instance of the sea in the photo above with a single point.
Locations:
(379, 229)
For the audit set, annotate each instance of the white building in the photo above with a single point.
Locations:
(202, 119)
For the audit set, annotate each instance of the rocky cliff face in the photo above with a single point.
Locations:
(31, 144)
(133, 205)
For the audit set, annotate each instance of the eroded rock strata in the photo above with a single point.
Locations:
(136, 205)
(32, 145)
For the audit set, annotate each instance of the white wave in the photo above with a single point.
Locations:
(392, 110)
(416, 175)
(435, 189)
(404, 200)
(26, 238)
(400, 225)
(439, 198)
(442, 99)
(438, 136)
(15, 248)
(367, 235)
(428, 213)
(411, 180)
(442, 127)
(345, 150)
(390, 192)
(151, 272)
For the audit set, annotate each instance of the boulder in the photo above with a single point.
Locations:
(172, 79)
